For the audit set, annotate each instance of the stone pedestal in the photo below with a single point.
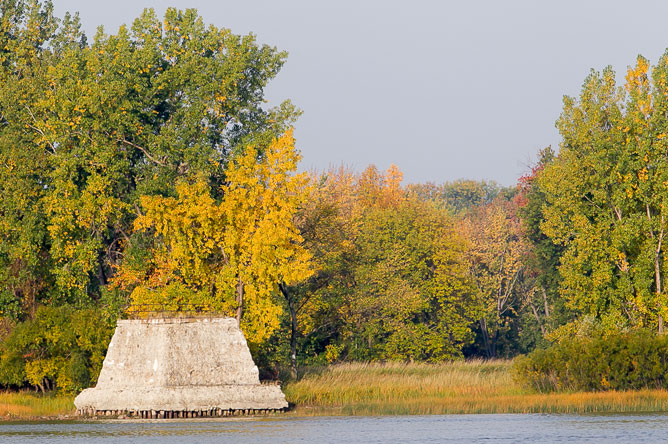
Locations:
(179, 367)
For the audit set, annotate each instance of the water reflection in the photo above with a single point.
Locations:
(411, 429)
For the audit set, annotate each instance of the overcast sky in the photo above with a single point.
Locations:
(444, 90)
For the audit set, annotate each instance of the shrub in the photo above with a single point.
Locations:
(624, 361)
(60, 347)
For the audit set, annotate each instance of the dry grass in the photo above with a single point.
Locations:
(28, 405)
(402, 389)
(463, 387)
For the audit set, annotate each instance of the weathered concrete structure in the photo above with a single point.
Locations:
(179, 367)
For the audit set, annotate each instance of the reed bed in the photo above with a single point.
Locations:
(460, 387)
(28, 405)
(401, 389)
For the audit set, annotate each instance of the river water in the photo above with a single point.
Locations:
(618, 428)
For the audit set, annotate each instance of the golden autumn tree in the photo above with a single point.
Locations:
(229, 254)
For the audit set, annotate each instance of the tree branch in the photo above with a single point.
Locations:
(143, 150)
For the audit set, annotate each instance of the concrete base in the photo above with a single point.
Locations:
(189, 399)
(179, 368)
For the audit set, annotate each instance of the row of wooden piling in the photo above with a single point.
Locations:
(174, 414)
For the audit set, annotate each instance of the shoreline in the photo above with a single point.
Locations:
(315, 412)
(389, 389)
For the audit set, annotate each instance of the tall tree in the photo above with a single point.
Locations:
(392, 284)
(606, 197)
(232, 254)
(495, 265)
(87, 129)
(541, 276)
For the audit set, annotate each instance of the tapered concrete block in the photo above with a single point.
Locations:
(179, 364)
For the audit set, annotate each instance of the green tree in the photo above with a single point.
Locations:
(459, 196)
(543, 305)
(89, 128)
(606, 197)
(411, 299)
(391, 282)
(59, 348)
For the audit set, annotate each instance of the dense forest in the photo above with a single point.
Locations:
(143, 169)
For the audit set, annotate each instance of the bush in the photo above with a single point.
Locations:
(59, 348)
(634, 360)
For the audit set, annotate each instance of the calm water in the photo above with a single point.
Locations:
(407, 429)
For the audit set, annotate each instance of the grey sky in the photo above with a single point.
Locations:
(445, 90)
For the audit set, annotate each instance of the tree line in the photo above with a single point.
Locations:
(144, 168)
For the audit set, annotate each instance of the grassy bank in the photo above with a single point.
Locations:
(400, 389)
(29, 405)
(465, 387)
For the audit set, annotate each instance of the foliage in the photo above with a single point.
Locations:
(229, 255)
(633, 360)
(144, 167)
(542, 302)
(412, 299)
(391, 283)
(495, 265)
(89, 128)
(459, 196)
(606, 196)
(59, 348)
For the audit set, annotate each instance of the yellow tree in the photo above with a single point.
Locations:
(263, 245)
(230, 254)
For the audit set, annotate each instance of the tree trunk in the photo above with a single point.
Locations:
(494, 341)
(293, 341)
(657, 281)
(293, 330)
(547, 307)
(485, 338)
(240, 301)
(535, 315)
(101, 275)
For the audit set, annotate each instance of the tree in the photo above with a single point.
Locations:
(541, 291)
(59, 348)
(233, 254)
(606, 197)
(459, 196)
(391, 282)
(495, 264)
(410, 299)
(89, 128)
(326, 224)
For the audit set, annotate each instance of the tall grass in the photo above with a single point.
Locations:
(460, 387)
(402, 389)
(28, 405)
